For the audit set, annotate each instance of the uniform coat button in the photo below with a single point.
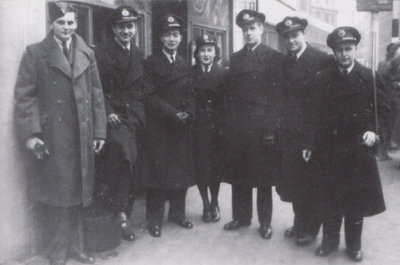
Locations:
(128, 105)
(54, 82)
(87, 101)
(59, 119)
(59, 101)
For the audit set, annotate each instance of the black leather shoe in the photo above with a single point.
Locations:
(266, 231)
(83, 257)
(235, 224)
(305, 240)
(216, 214)
(185, 223)
(127, 234)
(290, 232)
(355, 255)
(207, 215)
(325, 249)
(154, 230)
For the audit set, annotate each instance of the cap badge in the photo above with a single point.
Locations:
(125, 12)
(288, 23)
(205, 37)
(341, 33)
(170, 19)
(246, 16)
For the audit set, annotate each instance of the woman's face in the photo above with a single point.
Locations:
(207, 54)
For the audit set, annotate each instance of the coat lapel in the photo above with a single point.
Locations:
(343, 87)
(55, 56)
(135, 67)
(169, 72)
(80, 57)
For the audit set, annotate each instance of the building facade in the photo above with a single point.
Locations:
(29, 20)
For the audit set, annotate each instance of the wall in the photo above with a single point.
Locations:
(28, 25)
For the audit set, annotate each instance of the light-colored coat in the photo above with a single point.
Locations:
(62, 103)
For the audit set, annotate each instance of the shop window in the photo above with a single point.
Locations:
(220, 36)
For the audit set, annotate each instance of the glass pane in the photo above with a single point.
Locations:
(83, 23)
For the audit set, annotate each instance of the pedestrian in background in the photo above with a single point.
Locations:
(169, 140)
(351, 187)
(208, 82)
(252, 125)
(122, 75)
(60, 117)
(386, 74)
(300, 67)
(394, 76)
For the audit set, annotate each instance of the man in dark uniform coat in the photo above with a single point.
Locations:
(351, 186)
(169, 143)
(121, 71)
(59, 113)
(251, 124)
(300, 67)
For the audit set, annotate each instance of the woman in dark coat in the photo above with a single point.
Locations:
(208, 79)
(169, 143)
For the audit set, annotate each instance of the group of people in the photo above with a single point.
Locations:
(303, 122)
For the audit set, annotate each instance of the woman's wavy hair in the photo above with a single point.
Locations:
(217, 53)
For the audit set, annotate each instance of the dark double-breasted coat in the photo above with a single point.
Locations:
(169, 141)
(252, 99)
(207, 128)
(63, 104)
(351, 183)
(296, 179)
(122, 75)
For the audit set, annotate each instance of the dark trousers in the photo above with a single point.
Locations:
(121, 187)
(352, 227)
(155, 205)
(306, 219)
(242, 204)
(65, 231)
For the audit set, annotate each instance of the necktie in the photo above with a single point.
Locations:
(207, 68)
(345, 72)
(65, 49)
(126, 50)
(172, 59)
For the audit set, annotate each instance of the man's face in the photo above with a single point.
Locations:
(294, 41)
(345, 53)
(171, 40)
(207, 54)
(252, 33)
(64, 27)
(124, 32)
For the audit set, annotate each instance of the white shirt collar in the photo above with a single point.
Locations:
(123, 46)
(349, 69)
(203, 67)
(59, 42)
(169, 55)
(301, 51)
(255, 46)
